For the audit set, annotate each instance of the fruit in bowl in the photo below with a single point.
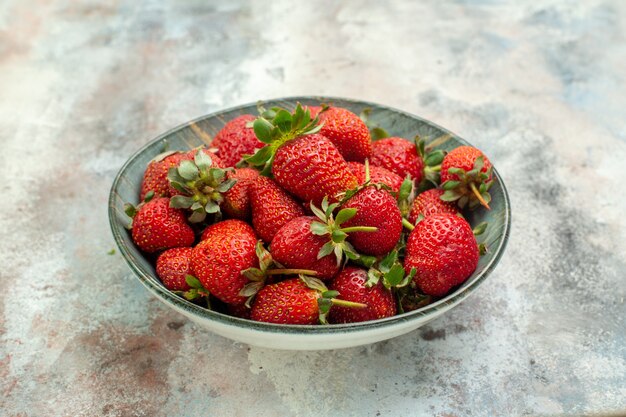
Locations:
(295, 229)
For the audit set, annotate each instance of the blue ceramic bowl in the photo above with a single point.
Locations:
(201, 131)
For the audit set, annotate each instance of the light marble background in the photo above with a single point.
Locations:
(539, 87)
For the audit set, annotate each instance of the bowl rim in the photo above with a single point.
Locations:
(152, 283)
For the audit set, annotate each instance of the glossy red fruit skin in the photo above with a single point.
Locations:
(235, 140)
(157, 226)
(172, 266)
(379, 209)
(428, 203)
(398, 156)
(155, 176)
(347, 131)
(443, 250)
(295, 246)
(462, 157)
(189, 156)
(287, 302)
(237, 200)
(310, 167)
(227, 249)
(378, 175)
(272, 208)
(351, 286)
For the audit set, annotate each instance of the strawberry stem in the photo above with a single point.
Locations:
(291, 271)
(359, 229)
(349, 304)
(478, 196)
(407, 224)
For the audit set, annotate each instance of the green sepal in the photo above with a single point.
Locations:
(326, 250)
(130, 210)
(149, 196)
(378, 133)
(263, 130)
(188, 170)
(181, 202)
(202, 160)
(313, 283)
(197, 216)
(260, 157)
(319, 229)
(251, 288)
(434, 158)
(451, 195)
(345, 215)
(338, 236)
(193, 282)
(450, 185)
(330, 294)
(482, 249)
(226, 185)
(480, 229)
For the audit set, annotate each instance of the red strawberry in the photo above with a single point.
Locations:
(157, 226)
(235, 140)
(376, 208)
(443, 250)
(466, 175)
(296, 301)
(287, 302)
(428, 203)
(311, 168)
(351, 285)
(295, 246)
(155, 176)
(305, 164)
(237, 199)
(173, 266)
(399, 156)
(272, 208)
(347, 131)
(378, 175)
(218, 261)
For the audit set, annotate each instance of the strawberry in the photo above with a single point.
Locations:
(346, 130)
(351, 285)
(304, 163)
(443, 250)
(295, 246)
(466, 176)
(377, 208)
(156, 226)
(155, 176)
(311, 168)
(272, 208)
(296, 301)
(172, 266)
(228, 249)
(428, 203)
(237, 200)
(378, 175)
(399, 156)
(236, 139)
(199, 184)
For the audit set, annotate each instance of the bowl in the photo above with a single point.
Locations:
(200, 131)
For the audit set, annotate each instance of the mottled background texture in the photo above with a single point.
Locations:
(539, 86)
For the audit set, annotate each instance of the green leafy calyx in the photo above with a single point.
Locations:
(327, 224)
(201, 186)
(275, 127)
(472, 187)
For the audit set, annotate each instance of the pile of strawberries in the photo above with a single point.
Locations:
(301, 218)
